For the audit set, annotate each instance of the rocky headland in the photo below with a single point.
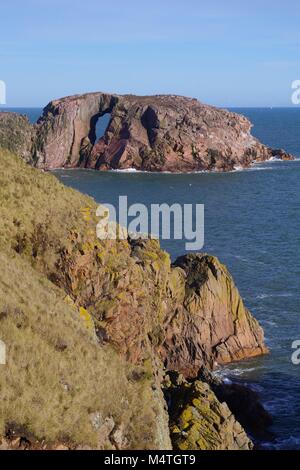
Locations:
(109, 344)
(150, 133)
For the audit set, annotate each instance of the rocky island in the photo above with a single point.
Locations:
(82, 318)
(150, 133)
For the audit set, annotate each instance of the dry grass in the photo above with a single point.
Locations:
(56, 373)
(31, 200)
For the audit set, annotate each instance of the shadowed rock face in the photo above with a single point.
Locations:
(152, 133)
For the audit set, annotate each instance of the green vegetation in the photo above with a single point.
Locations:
(58, 376)
(200, 422)
(87, 324)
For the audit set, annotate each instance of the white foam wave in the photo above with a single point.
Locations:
(128, 170)
(226, 373)
(268, 322)
(267, 296)
(289, 443)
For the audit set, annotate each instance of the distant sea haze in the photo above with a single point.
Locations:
(252, 225)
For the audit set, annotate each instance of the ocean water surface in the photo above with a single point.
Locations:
(252, 224)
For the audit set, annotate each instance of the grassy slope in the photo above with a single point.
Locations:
(56, 374)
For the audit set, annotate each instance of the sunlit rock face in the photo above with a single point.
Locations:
(151, 133)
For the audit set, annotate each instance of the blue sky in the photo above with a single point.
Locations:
(227, 53)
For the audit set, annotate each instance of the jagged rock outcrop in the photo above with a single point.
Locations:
(152, 133)
(191, 313)
(243, 402)
(61, 385)
(211, 324)
(199, 421)
(66, 131)
(111, 314)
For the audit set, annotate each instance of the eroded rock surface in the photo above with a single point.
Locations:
(190, 314)
(199, 421)
(112, 314)
(211, 324)
(152, 133)
(243, 402)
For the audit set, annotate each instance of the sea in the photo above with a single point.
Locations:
(252, 223)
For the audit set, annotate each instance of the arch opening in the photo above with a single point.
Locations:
(98, 127)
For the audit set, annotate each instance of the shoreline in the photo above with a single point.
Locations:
(253, 167)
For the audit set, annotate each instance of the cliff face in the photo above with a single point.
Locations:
(104, 315)
(152, 133)
(66, 131)
(210, 325)
(56, 386)
(188, 324)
